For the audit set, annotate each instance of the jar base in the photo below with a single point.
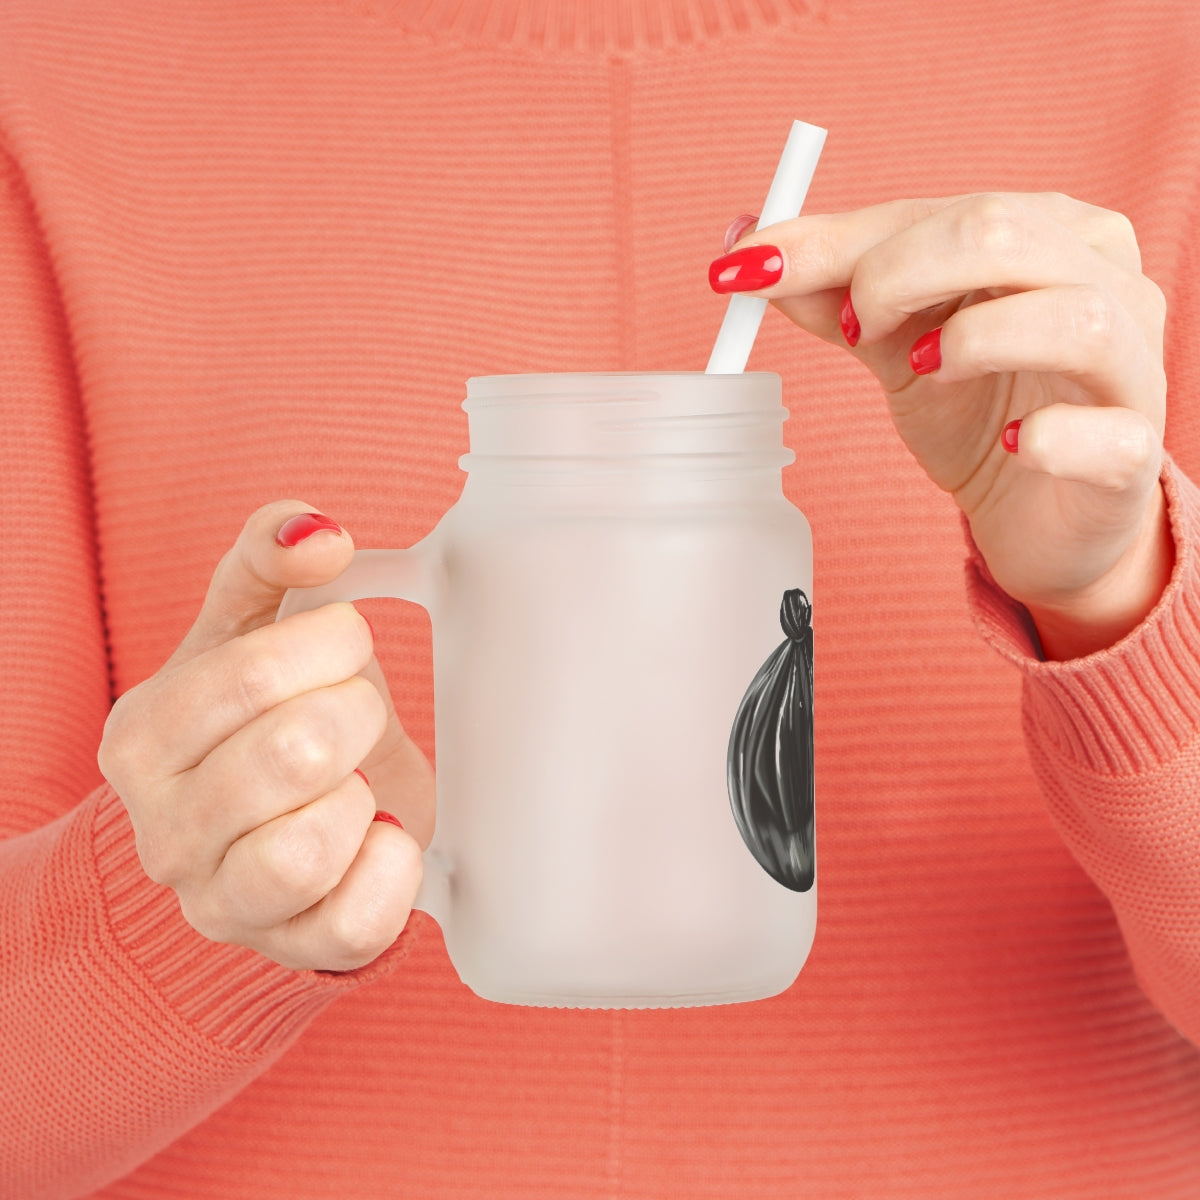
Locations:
(681, 1000)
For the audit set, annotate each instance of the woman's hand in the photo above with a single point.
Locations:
(1020, 350)
(237, 762)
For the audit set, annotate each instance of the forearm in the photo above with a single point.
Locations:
(122, 1027)
(1114, 739)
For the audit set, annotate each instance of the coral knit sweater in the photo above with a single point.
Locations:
(251, 251)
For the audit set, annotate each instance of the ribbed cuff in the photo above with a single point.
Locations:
(1125, 709)
(236, 997)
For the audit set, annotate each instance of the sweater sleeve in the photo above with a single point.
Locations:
(120, 1027)
(1114, 739)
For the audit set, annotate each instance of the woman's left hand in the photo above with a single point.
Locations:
(979, 312)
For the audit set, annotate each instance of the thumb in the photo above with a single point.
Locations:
(283, 545)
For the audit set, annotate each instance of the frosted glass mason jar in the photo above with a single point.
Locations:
(603, 594)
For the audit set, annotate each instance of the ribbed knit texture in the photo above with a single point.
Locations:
(252, 251)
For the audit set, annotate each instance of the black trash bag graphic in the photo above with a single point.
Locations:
(770, 763)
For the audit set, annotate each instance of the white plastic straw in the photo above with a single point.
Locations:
(788, 189)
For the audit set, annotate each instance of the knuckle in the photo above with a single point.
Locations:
(917, 208)
(1126, 452)
(878, 285)
(296, 859)
(1140, 446)
(1113, 235)
(1090, 318)
(338, 629)
(258, 679)
(361, 933)
(121, 752)
(1117, 229)
(352, 633)
(371, 712)
(994, 226)
(1116, 476)
(299, 751)
(971, 343)
(112, 753)
(817, 254)
(1059, 206)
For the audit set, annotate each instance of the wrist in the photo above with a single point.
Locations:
(1113, 606)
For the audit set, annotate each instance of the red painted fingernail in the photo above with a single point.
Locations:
(926, 353)
(295, 529)
(746, 270)
(362, 777)
(1009, 436)
(851, 330)
(380, 815)
(737, 227)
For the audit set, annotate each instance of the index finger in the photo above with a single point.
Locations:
(190, 709)
(821, 250)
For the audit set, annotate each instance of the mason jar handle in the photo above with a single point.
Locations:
(395, 574)
(400, 575)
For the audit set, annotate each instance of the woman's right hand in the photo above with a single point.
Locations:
(237, 762)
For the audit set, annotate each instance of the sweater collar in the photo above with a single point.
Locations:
(616, 26)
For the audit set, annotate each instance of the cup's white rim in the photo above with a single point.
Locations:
(695, 375)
